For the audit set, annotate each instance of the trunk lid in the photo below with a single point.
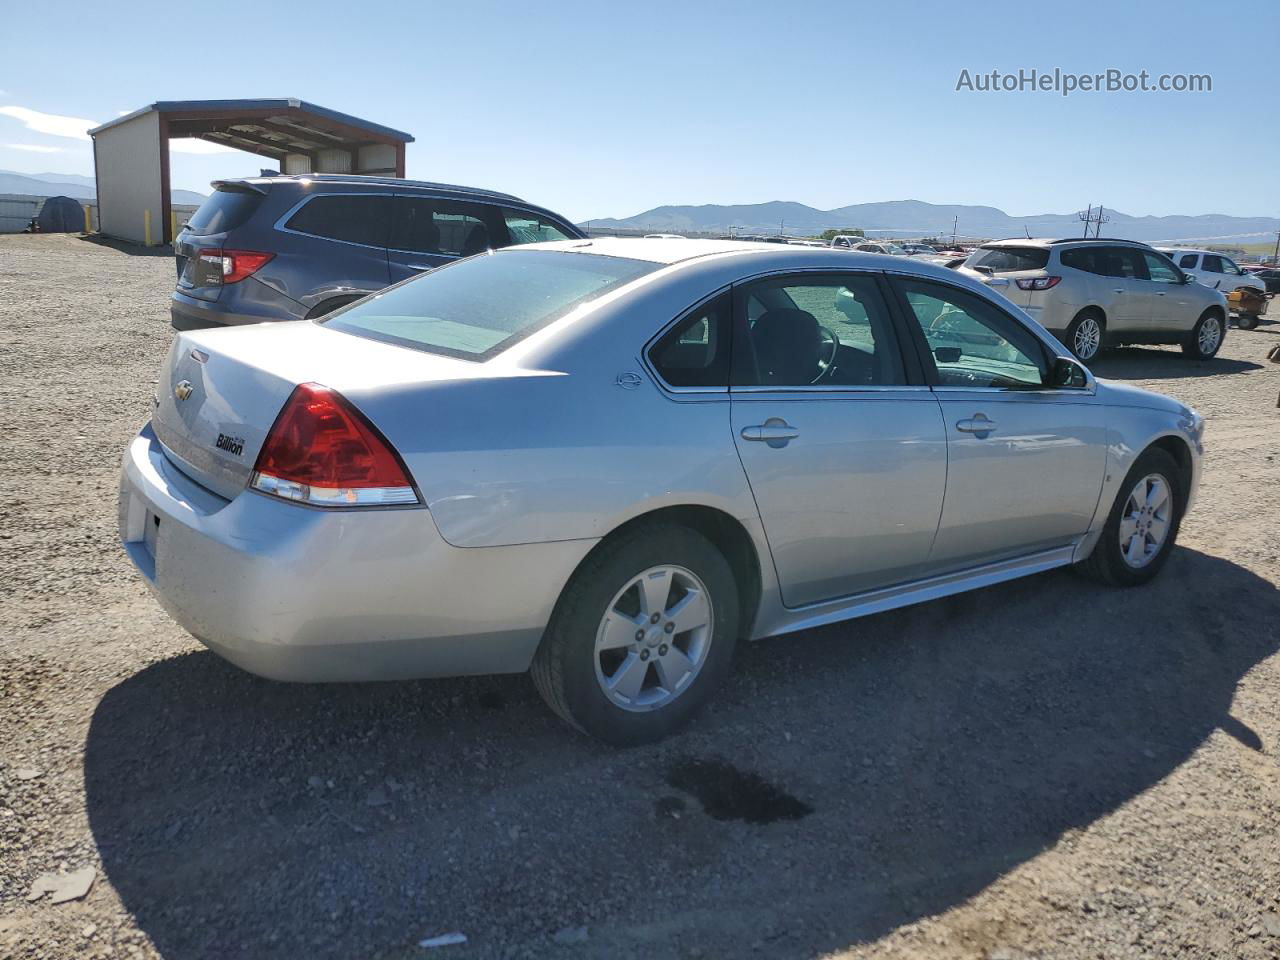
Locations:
(220, 390)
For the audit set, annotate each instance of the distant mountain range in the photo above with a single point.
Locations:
(70, 185)
(906, 218)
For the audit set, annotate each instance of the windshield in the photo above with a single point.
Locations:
(478, 307)
(1009, 259)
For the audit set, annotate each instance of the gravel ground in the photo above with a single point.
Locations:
(1042, 769)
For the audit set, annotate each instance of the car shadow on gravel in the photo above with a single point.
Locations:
(914, 757)
(125, 247)
(1139, 363)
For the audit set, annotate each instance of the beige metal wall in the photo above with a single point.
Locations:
(128, 161)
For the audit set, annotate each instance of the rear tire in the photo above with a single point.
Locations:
(610, 654)
(1118, 558)
(1205, 338)
(1086, 335)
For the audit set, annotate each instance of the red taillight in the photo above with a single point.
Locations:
(231, 266)
(1038, 283)
(321, 450)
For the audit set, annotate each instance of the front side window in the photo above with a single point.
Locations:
(972, 342)
(526, 227)
(476, 308)
(695, 352)
(354, 218)
(1009, 259)
(1229, 266)
(1161, 270)
(824, 330)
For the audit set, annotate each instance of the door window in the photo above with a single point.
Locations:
(695, 352)
(526, 227)
(972, 342)
(1212, 264)
(1188, 261)
(822, 330)
(1161, 270)
(443, 227)
(354, 218)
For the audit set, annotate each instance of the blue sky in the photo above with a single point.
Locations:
(601, 109)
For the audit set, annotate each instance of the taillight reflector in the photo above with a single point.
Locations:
(1037, 283)
(321, 450)
(232, 265)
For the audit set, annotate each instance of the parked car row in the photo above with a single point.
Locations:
(1099, 292)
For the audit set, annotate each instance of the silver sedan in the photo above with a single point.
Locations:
(607, 461)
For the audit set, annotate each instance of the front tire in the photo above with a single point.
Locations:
(641, 637)
(1142, 526)
(1246, 321)
(1205, 338)
(1086, 334)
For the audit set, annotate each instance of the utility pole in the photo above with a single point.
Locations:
(954, 223)
(1275, 257)
(782, 227)
(1090, 218)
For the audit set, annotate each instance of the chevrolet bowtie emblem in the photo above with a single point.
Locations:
(183, 389)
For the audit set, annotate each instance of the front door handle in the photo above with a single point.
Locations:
(980, 425)
(1119, 290)
(419, 267)
(775, 431)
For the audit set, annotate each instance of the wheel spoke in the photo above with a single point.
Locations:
(1157, 494)
(1128, 527)
(629, 677)
(619, 630)
(689, 612)
(1136, 548)
(655, 587)
(672, 668)
(1158, 530)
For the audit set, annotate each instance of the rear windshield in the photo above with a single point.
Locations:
(1009, 259)
(225, 210)
(476, 308)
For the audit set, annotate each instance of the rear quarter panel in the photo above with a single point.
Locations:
(548, 445)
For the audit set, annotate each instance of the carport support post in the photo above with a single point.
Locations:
(146, 227)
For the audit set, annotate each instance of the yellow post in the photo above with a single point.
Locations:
(146, 228)
(88, 220)
(173, 226)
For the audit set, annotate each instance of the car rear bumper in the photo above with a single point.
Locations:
(297, 593)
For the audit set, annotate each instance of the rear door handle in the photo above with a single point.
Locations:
(1119, 290)
(774, 431)
(979, 425)
(418, 266)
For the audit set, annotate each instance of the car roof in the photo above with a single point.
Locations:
(355, 179)
(1212, 253)
(660, 249)
(1060, 241)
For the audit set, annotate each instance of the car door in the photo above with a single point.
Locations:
(1025, 461)
(1173, 310)
(1127, 289)
(844, 450)
(428, 232)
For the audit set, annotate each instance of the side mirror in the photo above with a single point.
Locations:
(947, 354)
(1068, 373)
(1188, 278)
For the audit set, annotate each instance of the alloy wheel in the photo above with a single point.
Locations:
(1210, 335)
(1145, 522)
(1087, 338)
(653, 638)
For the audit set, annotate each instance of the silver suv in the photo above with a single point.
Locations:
(1101, 292)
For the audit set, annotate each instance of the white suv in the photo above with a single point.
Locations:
(1100, 292)
(1218, 271)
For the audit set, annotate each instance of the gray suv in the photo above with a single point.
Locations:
(297, 247)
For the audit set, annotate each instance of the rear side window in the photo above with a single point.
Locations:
(1212, 264)
(224, 210)
(353, 218)
(1010, 259)
(1188, 261)
(474, 309)
(526, 227)
(429, 225)
(695, 352)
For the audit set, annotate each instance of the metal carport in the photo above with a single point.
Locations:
(131, 154)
